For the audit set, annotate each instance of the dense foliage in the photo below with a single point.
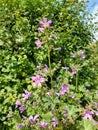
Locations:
(48, 66)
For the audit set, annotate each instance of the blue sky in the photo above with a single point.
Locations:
(92, 4)
(93, 1)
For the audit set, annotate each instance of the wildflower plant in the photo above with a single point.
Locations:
(55, 103)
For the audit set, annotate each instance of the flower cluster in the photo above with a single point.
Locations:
(26, 95)
(79, 53)
(44, 24)
(87, 114)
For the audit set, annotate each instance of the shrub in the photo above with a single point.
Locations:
(60, 104)
(19, 56)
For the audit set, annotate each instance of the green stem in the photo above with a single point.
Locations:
(50, 65)
(77, 81)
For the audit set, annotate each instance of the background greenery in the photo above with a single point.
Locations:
(19, 20)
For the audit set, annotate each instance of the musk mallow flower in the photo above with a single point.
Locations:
(95, 112)
(72, 96)
(43, 124)
(82, 54)
(87, 114)
(22, 108)
(66, 112)
(95, 122)
(54, 122)
(58, 94)
(20, 125)
(24, 117)
(18, 103)
(39, 67)
(74, 71)
(38, 43)
(45, 23)
(33, 119)
(46, 69)
(26, 95)
(66, 68)
(95, 104)
(37, 80)
(64, 89)
(40, 29)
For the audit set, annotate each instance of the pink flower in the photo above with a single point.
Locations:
(38, 43)
(39, 67)
(20, 125)
(43, 124)
(54, 122)
(22, 108)
(66, 112)
(64, 89)
(95, 122)
(96, 112)
(66, 68)
(94, 104)
(24, 117)
(74, 71)
(87, 114)
(33, 119)
(18, 103)
(40, 29)
(45, 23)
(26, 95)
(37, 80)
(82, 54)
(72, 96)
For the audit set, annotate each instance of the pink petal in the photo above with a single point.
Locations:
(49, 22)
(44, 20)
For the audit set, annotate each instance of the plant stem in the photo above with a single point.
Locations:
(50, 64)
(77, 81)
